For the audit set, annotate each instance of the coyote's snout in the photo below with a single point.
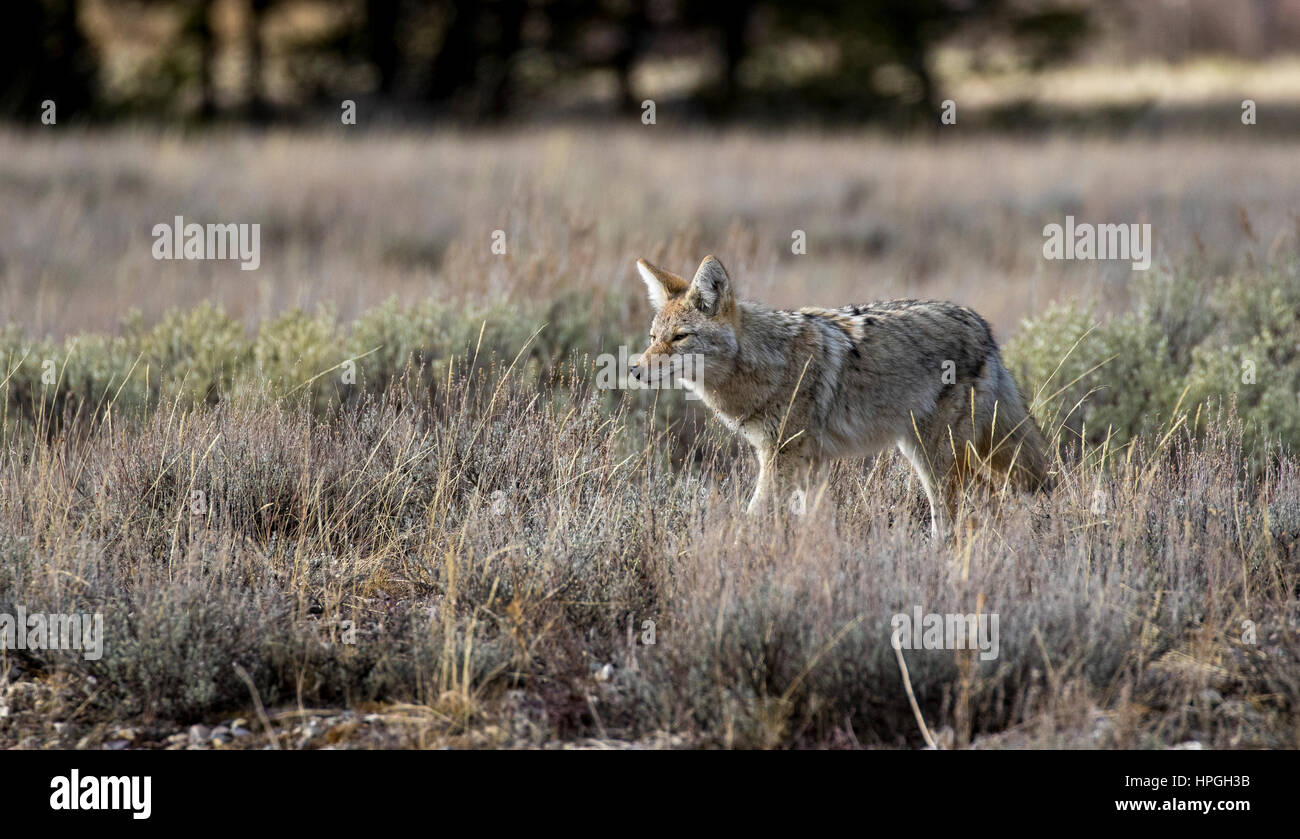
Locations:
(820, 384)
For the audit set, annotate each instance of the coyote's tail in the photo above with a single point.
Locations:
(1020, 451)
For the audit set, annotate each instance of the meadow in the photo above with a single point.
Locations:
(371, 495)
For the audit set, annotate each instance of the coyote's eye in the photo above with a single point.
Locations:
(680, 335)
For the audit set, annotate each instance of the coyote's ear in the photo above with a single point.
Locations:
(660, 284)
(711, 289)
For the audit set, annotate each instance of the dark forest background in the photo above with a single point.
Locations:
(485, 61)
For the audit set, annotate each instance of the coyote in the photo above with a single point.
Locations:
(815, 385)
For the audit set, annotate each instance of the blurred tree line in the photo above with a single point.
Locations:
(489, 59)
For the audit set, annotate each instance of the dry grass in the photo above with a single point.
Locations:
(499, 533)
(351, 219)
(496, 545)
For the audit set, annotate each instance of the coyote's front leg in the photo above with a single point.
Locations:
(778, 478)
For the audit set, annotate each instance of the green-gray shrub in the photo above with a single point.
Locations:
(1181, 349)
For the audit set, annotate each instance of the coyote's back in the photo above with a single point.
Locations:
(916, 370)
